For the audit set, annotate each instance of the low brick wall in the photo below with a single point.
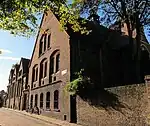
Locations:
(117, 106)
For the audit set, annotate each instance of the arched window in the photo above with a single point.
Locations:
(56, 99)
(51, 65)
(41, 100)
(31, 101)
(49, 39)
(45, 39)
(41, 45)
(44, 43)
(43, 70)
(54, 64)
(57, 62)
(34, 74)
(48, 100)
(36, 100)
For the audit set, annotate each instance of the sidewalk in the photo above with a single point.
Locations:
(44, 118)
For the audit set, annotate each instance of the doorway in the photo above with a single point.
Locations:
(73, 109)
(24, 101)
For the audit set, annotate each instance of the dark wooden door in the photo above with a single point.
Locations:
(73, 109)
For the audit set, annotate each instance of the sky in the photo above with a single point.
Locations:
(13, 49)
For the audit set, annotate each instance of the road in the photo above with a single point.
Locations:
(12, 118)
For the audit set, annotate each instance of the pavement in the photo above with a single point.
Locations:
(10, 117)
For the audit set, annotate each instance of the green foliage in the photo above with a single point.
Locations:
(78, 85)
(73, 87)
(70, 16)
(21, 17)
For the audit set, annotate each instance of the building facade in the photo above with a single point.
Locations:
(49, 70)
(58, 54)
(18, 81)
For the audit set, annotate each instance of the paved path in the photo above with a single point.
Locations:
(12, 118)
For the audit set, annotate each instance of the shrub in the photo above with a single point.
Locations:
(79, 85)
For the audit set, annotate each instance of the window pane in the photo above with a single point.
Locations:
(57, 62)
(45, 70)
(41, 100)
(41, 72)
(56, 99)
(45, 36)
(41, 45)
(51, 65)
(49, 37)
(33, 75)
(55, 105)
(36, 76)
(48, 100)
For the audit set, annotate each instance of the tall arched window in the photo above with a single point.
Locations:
(31, 101)
(57, 62)
(54, 64)
(51, 65)
(41, 45)
(49, 39)
(36, 99)
(44, 43)
(48, 100)
(41, 100)
(45, 39)
(56, 99)
(43, 70)
(34, 74)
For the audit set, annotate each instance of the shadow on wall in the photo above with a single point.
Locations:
(102, 98)
(117, 106)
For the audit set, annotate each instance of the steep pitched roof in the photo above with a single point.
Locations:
(36, 40)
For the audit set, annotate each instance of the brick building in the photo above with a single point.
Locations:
(18, 80)
(58, 54)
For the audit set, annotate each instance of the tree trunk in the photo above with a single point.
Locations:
(131, 78)
(138, 50)
(130, 38)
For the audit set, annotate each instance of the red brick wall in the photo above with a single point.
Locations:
(116, 106)
(59, 41)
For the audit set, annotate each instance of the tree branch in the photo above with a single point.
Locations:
(144, 9)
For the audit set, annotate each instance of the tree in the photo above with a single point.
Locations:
(20, 16)
(135, 14)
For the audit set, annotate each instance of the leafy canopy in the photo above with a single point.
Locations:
(20, 16)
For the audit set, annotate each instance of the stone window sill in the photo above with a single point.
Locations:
(56, 110)
(48, 110)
